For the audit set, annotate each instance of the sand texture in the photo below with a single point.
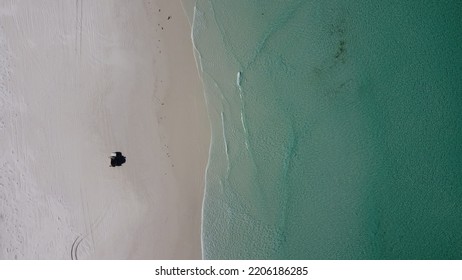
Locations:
(79, 80)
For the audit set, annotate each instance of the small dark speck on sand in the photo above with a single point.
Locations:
(162, 28)
(159, 10)
(169, 17)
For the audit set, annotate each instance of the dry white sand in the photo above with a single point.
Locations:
(79, 80)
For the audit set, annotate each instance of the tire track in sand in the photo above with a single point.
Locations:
(79, 239)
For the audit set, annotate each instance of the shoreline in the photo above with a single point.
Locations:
(186, 116)
(81, 82)
(189, 10)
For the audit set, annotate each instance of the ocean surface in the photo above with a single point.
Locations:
(336, 128)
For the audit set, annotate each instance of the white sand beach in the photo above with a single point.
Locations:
(79, 80)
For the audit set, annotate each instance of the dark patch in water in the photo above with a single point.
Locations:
(338, 30)
(341, 50)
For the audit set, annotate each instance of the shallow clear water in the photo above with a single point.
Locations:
(336, 128)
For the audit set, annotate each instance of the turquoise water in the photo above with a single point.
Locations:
(336, 128)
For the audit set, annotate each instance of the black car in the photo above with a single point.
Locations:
(117, 159)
